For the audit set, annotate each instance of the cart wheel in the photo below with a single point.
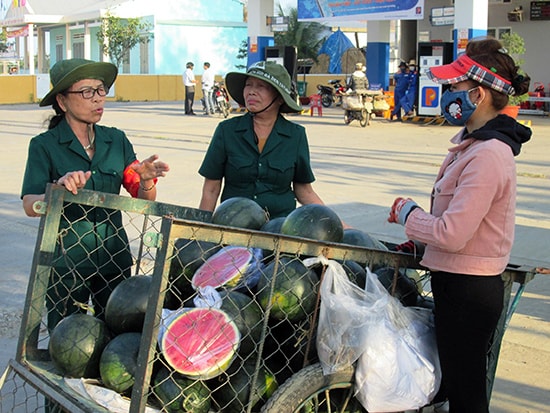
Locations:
(347, 117)
(310, 391)
(364, 117)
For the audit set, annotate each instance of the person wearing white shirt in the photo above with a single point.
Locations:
(189, 84)
(207, 88)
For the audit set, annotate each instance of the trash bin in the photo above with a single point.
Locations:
(302, 88)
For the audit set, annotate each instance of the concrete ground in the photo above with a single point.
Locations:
(359, 173)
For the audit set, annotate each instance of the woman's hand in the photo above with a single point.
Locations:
(150, 168)
(73, 181)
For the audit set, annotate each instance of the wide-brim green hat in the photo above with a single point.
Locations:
(274, 74)
(67, 72)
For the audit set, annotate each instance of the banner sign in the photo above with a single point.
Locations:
(327, 10)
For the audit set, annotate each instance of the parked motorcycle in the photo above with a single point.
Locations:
(220, 99)
(331, 94)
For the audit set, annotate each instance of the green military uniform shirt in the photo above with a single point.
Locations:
(95, 237)
(265, 177)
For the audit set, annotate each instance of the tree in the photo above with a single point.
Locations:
(242, 54)
(3, 41)
(308, 37)
(118, 36)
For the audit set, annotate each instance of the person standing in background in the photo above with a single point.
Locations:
(207, 85)
(189, 84)
(402, 81)
(408, 101)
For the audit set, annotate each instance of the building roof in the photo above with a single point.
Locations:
(41, 12)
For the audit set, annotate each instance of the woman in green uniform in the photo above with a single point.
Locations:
(260, 155)
(92, 254)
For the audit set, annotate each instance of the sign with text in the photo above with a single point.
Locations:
(540, 10)
(334, 10)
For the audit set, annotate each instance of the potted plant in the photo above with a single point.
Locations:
(515, 45)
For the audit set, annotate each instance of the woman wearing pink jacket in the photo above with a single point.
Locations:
(469, 231)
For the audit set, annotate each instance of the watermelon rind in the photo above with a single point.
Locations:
(225, 268)
(119, 360)
(179, 394)
(200, 343)
(76, 344)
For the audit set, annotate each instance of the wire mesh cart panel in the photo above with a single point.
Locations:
(230, 314)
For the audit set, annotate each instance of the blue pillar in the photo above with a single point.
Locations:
(378, 53)
(470, 21)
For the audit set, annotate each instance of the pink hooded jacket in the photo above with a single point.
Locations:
(470, 229)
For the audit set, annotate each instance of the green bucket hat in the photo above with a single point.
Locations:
(67, 72)
(274, 74)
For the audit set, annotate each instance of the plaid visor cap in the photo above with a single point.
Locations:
(464, 68)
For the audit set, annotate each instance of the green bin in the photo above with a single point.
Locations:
(302, 88)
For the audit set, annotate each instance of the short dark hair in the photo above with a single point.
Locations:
(206, 64)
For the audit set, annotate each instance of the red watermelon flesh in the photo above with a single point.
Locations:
(226, 267)
(200, 343)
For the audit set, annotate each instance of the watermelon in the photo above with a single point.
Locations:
(286, 348)
(178, 394)
(273, 226)
(294, 289)
(355, 272)
(189, 255)
(313, 221)
(237, 391)
(405, 288)
(76, 344)
(239, 212)
(127, 304)
(247, 316)
(360, 238)
(225, 268)
(118, 362)
(200, 343)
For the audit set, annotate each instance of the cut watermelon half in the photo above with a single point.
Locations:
(225, 268)
(200, 343)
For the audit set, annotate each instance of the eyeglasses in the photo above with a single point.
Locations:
(90, 92)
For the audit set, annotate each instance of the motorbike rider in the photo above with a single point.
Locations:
(358, 81)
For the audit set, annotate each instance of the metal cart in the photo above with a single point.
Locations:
(284, 348)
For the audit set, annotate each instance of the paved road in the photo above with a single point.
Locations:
(359, 173)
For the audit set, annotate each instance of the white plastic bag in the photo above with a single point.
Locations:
(399, 367)
(345, 312)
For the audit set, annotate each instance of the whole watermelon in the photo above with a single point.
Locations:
(247, 316)
(119, 360)
(76, 344)
(313, 221)
(178, 394)
(127, 304)
(239, 212)
(405, 288)
(295, 289)
(360, 238)
(234, 395)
